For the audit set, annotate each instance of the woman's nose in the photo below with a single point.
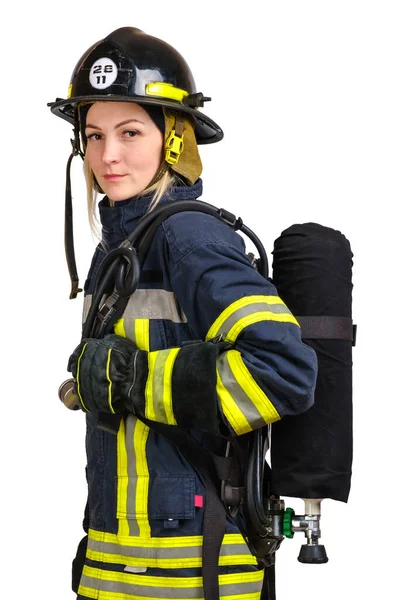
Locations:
(111, 154)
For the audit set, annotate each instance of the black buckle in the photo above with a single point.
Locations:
(230, 219)
(107, 310)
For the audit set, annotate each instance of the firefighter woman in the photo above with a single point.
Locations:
(204, 346)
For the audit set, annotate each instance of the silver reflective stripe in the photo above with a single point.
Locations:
(239, 396)
(172, 552)
(241, 313)
(135, 585)
(158, 387)
(129, 329)
(154, 304)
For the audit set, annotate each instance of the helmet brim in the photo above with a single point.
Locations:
(206, 130)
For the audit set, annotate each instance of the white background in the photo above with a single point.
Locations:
(308, 95)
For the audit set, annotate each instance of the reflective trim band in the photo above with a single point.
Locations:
(110, 585)
(186, 541)
(120, 556)
(247, 311)
(243, 402)
(77, 377)
(136, 330)
(166, 552)
(151, 387)
(109, 382)
(158, 392)
(166, 90)
(236, 418)
(133, 478)
(100, 595)
(154, 304)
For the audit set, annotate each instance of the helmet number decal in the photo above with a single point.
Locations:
(103, 73)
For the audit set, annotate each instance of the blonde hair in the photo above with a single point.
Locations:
(160, 188)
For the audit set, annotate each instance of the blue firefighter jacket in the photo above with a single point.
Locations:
(145, 501)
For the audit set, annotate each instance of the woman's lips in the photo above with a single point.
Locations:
(113, 177)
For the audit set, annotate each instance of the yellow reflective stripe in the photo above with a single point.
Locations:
(165, 90)
(148, 393)
(119, 328)
(167, 395)
(122, 483)
(269, 301)
(251, 388)
(142, 334)
(109, 382)
(77, 377)
(142, 487)
(236, 418)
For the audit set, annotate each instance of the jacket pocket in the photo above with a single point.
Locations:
(172, 497)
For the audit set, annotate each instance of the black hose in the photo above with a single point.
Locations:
(254, 483)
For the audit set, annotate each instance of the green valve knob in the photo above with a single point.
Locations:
(287, 522)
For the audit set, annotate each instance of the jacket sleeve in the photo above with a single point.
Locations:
(263, 372)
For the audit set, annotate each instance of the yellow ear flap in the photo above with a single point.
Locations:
(181, 149)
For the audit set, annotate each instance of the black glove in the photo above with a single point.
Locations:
(106, 371)
(112, 376)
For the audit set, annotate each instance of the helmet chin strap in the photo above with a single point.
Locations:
(68, 221)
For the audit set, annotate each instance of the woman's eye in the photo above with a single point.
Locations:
(94, 136)
(130, 133)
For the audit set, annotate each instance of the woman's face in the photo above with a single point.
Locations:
(124, 148)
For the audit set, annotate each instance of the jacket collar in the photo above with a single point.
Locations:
(118, 221)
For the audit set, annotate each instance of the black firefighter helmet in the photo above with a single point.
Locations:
(131, 66)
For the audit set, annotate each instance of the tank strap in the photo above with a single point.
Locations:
(325, 327)
(268, 589)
